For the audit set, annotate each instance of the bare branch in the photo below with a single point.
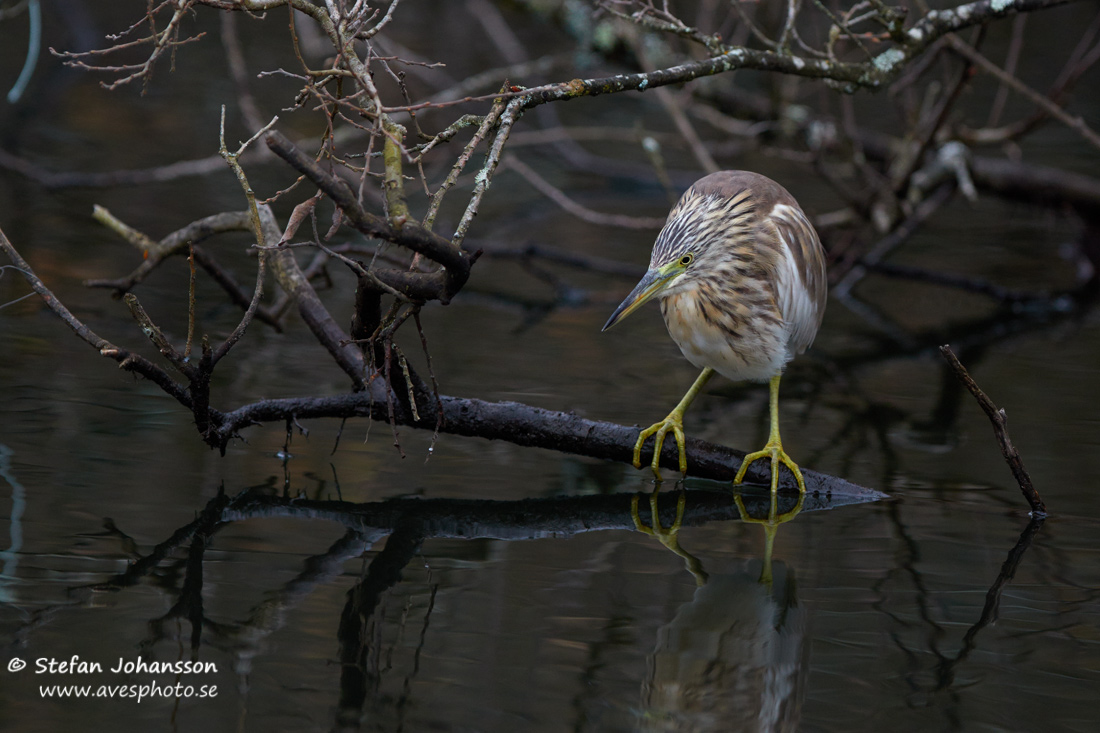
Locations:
(174, 244)
(584, 214)
(1000, 421)
(519, 424)
(416, 286)
(1077, 124)
(126, 359)
(484, 177)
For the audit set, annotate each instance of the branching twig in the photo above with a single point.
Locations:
(484, 129)
(1077, 124)
(126, 359)
(415, 286)
(157, 337)
(512, 112)
(258, 231)
(164, 40)
(174, 243)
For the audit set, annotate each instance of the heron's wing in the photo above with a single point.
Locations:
(801, 283)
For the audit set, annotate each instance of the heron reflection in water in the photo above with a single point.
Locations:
(735, 658)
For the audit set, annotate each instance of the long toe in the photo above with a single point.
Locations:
(659, 430)
(794, 469)
(667, 537)
(778, 456)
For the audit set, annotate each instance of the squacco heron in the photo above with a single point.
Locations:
(740, 273)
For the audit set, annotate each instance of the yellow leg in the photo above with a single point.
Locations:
(675, 423)
(771, 526)
(774, 447)
(668, 537)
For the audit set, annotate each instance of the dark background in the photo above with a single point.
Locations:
(872, 603)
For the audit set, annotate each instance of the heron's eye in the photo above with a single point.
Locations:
(686, 259)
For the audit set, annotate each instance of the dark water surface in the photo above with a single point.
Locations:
(937, 608)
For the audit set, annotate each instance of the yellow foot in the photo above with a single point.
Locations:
(771, 526)
(773, 450)
(775, 517)
(674, 423)
(665, 536)
(668, 537)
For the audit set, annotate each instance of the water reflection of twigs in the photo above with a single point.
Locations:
(10, 556)
(360, 676)
(945, 666)
(945, 676)
(178, 563)
(366, 524)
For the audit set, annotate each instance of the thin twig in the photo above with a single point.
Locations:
(190, 301)
(174, 243)
(124, 230)
(232, 159)
(1000, 429)
(234, 56)
(435, 385)
(487, 124)
(126, 359)
(581, 212)
(1011, 59)
(157, 337)
(512, 112)
(265, 314)
(1077, 124)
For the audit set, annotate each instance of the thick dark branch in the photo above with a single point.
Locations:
(1000, 428)
(324, 327)
(416, 286)
(520, 424)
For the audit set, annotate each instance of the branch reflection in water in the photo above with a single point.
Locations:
(178, 563)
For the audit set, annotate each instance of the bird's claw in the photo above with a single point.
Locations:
(667, 537)
(673, 423)
(774, 518)
(773, 450)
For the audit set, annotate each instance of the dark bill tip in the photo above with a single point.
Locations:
(650, 285)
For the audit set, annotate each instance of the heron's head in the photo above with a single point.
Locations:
(691, 247)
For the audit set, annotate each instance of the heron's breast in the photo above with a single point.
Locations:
(737, 341)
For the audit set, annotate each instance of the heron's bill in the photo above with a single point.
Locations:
(650, 285)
